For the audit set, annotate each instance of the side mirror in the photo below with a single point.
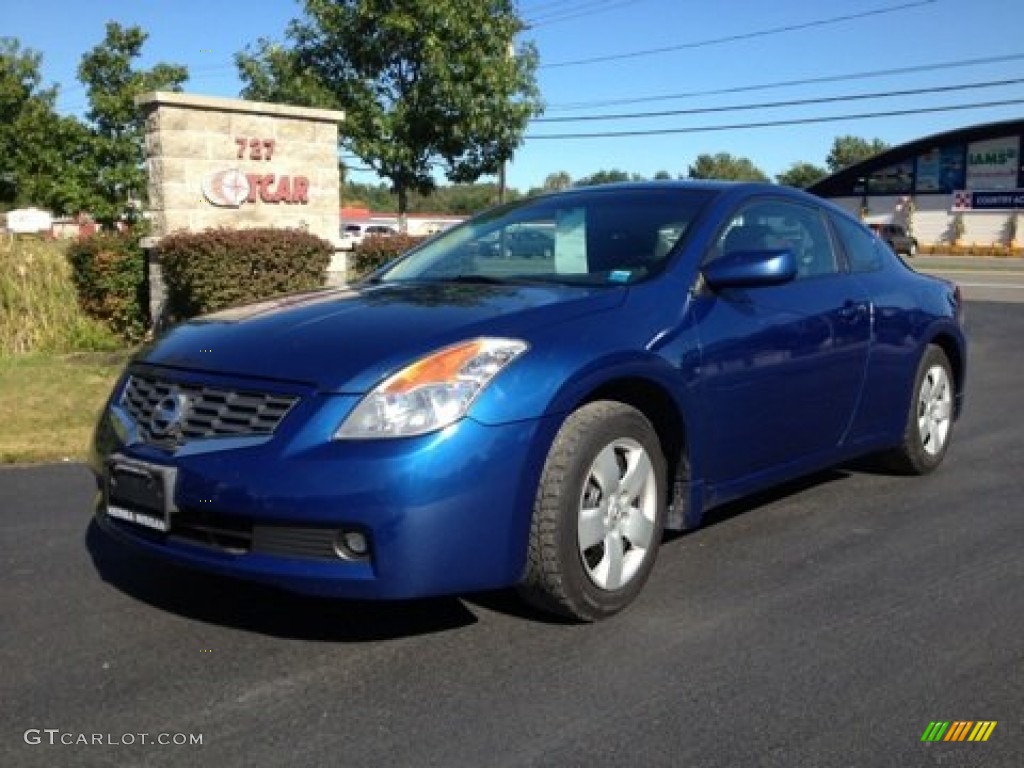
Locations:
(750, 269)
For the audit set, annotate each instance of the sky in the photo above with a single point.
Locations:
(600, 57)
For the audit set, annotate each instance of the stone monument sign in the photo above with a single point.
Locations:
(216, 162)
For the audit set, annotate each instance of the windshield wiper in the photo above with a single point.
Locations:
(480, 279)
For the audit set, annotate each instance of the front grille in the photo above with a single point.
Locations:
(221, 532)
(295, 542)
(196, 411)
(238, 536)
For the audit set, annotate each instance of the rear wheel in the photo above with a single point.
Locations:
(599, 513)
(929, 425)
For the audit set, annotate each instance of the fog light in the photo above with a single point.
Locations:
(351, 545)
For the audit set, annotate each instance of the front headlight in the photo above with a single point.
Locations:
(432, 393)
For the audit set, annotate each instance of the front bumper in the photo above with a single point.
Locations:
(444, 513)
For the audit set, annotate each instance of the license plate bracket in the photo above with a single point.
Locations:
(140, 493)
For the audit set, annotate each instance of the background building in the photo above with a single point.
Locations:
(972, 175)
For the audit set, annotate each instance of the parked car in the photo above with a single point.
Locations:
(897, 238)
(380, 230)
(525, 242)
(459, 422)
(352, 236)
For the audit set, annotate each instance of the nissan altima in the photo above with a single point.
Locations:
(471, 417)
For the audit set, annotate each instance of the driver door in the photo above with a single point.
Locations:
(782, 366)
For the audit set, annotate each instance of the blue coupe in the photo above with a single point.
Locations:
(531, 398)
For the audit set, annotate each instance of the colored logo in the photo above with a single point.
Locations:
(959, 730)
(963, 200)
(226, 189)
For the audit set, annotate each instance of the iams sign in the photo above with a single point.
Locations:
(999, 157)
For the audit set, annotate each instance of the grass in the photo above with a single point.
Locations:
(49, 403)
(39, 309)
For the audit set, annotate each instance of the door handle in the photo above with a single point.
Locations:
(851, 310)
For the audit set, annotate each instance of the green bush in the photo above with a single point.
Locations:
(375, 252)
(39, 310)
(109, 272)
(207, 271)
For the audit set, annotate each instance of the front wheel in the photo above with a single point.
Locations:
(599, 513)
(929, 426)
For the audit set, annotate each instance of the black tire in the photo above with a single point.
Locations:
(562, 575)
(922, 449)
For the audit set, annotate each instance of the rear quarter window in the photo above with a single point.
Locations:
(863, 251)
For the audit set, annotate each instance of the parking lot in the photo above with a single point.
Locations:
(826, 624)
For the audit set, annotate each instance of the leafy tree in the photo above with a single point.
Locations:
(557, 181)
(725, 166)
(20, 85)
(849, 150)
(117, 131)
(455, 199)
(424, 84)
(272, 72)
(51, 160)
(801, 174)
(662, 176)
(607, 177)
(41, 153)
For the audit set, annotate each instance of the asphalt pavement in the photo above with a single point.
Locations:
(826, 624)
(981, 278)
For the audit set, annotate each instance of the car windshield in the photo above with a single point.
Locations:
(589, 236)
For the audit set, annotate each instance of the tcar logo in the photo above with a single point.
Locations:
(226, 189)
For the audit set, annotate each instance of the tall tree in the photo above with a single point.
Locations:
(725, 166)
(613, 176)
(112, 82)
(554, 182)
(40, 151)
(801, 174)
(425, 84)
(849, 150)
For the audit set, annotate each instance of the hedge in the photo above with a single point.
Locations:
(217, 268)
(109, 273)
(375, 252)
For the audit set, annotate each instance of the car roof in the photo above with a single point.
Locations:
(736, 189)
(716, 185)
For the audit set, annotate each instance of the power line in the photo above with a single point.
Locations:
(956, 64)
(535, 15)
(741, 36)
(789, 103)
(586, 9)
(777, 123)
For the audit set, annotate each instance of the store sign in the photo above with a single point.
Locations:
(988, 200)
(26, 220)
(231, 187)
(993, 164)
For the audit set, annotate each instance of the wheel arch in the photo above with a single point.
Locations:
(653, 399)
(954, 351)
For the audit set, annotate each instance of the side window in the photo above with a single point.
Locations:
(774, 224)
(862, 249)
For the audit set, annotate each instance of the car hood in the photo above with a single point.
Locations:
(347, 340)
